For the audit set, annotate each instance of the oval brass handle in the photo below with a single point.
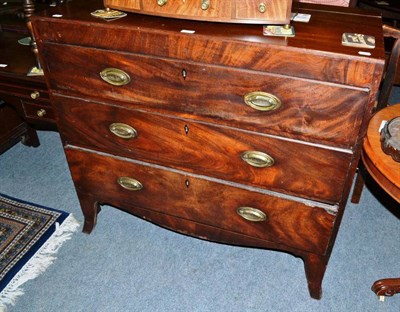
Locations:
(257, 159)
(123, 131)
(162, 2)
(130, 184)
(41, 112)
(262, 101)
(35, 95)
(205, 4)
(262, 7)
(115, 76)
(251, 214)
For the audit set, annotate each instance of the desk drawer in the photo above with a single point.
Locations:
(294, 168)
(38, 112)
(310, 111)
(287, 222)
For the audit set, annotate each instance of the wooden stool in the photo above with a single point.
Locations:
(386, 172)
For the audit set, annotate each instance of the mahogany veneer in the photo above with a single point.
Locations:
(222, 134)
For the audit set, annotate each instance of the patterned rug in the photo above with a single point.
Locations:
(30, 236)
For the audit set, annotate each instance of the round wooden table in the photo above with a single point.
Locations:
(386, 172)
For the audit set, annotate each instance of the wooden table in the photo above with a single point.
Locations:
(386, 172)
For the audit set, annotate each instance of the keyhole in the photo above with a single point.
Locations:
(184, 73)
(186, 129)
(187, 183)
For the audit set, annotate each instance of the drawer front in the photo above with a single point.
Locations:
(262, 161)
(38, 112)
(278, 10)
(274, 219)
(189, 8)
(310, 111)
(254, 11)
(35, 92)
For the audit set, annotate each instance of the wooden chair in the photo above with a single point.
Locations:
(384, 96)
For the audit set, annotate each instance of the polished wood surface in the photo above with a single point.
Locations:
(186, 99)
(382, 167)
(231, 11)
(386, 172)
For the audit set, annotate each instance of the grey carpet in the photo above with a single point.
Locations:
(127, 264)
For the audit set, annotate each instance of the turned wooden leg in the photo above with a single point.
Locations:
(90, 208)
(386, 287)
(30, 138)
(315, 267)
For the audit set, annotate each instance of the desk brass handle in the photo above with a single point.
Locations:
(162, 2)
(115, 76)
(130, 184)
(205, 4)
(35, 95)
(123, 131)
(41, 112)
(262, 101)
(257, 159)
(262, 7)
(251, 214)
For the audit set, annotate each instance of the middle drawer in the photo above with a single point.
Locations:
(268, 162)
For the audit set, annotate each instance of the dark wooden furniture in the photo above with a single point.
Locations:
(391, 72)
(27, 105)
(386, 172)
(220, 133)
(29, 95)
(13, 129)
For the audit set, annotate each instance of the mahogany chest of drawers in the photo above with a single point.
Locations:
(211, 129)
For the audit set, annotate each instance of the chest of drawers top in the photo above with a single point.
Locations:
(315, 52)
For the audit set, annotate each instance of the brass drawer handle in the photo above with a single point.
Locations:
(205, 4)
(123, 131)
(257, 159)
(162, 2)
(115, 76)
(130, 184)
(262, 101)
(41, 112)
(35, 95)
(262, 7)
(251, 214)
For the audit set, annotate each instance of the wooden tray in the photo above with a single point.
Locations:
(229, 11)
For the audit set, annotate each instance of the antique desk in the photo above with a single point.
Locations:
(212, 129)
(27, 104)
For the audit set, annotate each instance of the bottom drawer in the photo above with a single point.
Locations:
(38, 112)
(248, 211)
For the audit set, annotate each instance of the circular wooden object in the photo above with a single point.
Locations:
(382, 167)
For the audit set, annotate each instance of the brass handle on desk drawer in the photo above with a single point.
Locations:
(262, 101)
(205, 4)
(251, 214)
(162, 2)
(41, 112)
(130, 184)
(257, 159)
(262, 7)
(35, 95)
(115, 76)
(123, 131)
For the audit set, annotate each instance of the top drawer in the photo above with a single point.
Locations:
(311, 111)
(233, 11)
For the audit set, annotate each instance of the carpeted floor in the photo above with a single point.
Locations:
(127, 264)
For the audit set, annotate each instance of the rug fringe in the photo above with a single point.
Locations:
(42, 259)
